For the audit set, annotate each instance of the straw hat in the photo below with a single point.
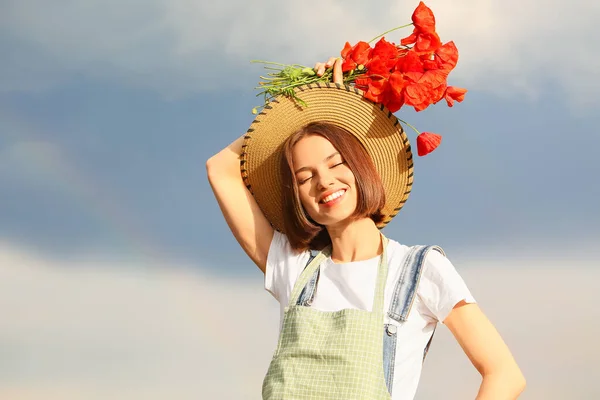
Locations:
(375, 126)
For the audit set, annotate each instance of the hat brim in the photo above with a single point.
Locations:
(376, 128)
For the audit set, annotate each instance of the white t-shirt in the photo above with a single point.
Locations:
(352, 285)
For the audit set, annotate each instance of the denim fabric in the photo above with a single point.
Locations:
(308, 293)
(389, 353)
(405, 291)
(400, 306)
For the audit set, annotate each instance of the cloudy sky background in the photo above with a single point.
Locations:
(116, 268)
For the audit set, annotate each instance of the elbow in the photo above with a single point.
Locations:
(210, 163)
(210, 168)
(213, 167)
(521, 384)
(220, 166)
(511, 382)
(517, 380)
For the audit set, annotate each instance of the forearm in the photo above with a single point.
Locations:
(501, 386)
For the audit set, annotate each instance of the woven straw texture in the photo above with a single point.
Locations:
(329, 355)
(376, 128)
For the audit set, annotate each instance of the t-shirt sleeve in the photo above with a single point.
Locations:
(284, 266)
(441, 287)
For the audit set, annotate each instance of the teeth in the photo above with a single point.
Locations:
(333, 196)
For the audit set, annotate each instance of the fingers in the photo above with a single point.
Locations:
(321, 67)
(338, 75)
(330, 62)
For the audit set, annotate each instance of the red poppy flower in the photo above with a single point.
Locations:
(434, 78)
(454, 94)
(376, 89)
(437, 93)
(447, 56)
(393, 97)
(409, 63)
(427, 43)
(417, 96)
(424, 37)
(424, 88)
(379, 66)
(393, 100)
(385, 52)
(427, 142)
(355, 55)
(423, 18)
(412, 74)
(362, 83)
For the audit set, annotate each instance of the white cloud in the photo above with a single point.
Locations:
(181, 47)
(89, 330)
(83, 329)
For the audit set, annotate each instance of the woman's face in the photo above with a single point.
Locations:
(326, 185)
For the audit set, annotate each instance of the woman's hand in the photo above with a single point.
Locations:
(338, 76)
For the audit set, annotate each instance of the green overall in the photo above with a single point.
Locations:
(329, 354)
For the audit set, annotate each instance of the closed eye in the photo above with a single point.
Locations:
(304, 180)
(307, 179)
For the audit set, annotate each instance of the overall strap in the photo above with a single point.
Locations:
(308, 293)
(382, 272)
(307, 274)
(406, 286)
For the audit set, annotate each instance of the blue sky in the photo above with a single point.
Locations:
(107, 118)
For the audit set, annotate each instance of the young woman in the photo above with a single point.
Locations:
(358, 310)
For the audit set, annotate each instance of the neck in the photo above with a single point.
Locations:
(356, 241)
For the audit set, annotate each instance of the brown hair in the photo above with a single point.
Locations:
(304, 233)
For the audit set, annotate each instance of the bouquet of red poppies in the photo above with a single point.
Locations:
(413, 73)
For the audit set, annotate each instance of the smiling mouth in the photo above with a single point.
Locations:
(333, 197)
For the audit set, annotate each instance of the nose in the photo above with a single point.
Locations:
(325, 180)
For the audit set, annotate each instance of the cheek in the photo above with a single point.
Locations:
(351, 181)
(349, 177)
(307, 202)
(304, 194)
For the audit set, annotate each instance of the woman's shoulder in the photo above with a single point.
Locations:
(394, 245)
(440, 286)
(281, 250)
(399, 250)
(434, 263)
(284, 265)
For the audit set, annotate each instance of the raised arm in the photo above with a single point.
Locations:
(245, 219)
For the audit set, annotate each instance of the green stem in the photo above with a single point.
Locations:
(268, 62)
(391, 30)
(413, 128)
(300, 66)
(276, 63)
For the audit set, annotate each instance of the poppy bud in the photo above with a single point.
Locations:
(427, 142)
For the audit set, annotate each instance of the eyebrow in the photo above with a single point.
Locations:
(325, 160)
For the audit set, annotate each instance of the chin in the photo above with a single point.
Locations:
(332, 220)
